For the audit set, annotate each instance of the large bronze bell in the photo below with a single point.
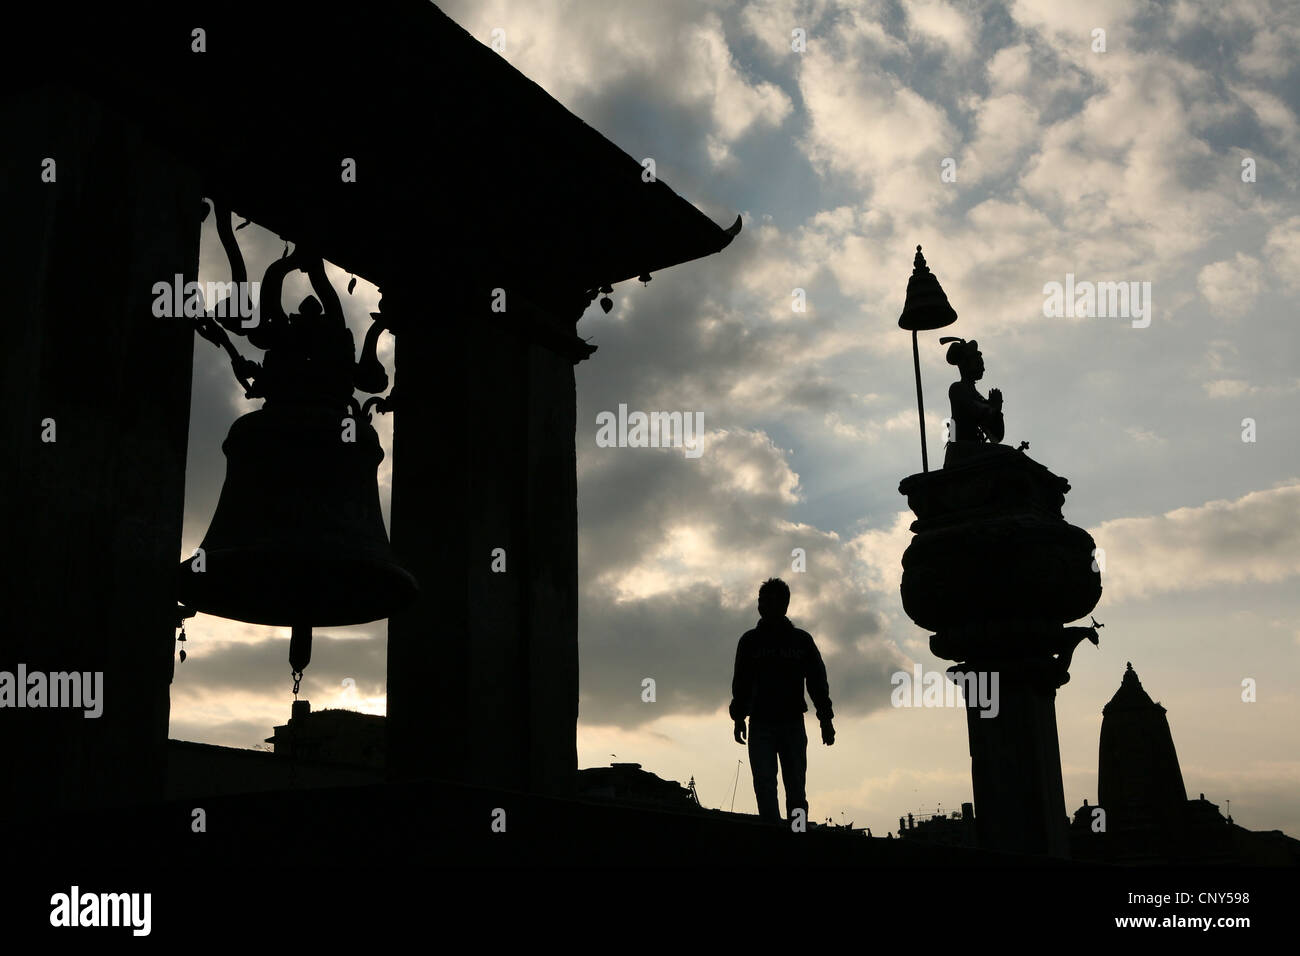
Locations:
(298, 538)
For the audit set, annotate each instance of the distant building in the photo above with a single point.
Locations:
(328, 748)
(332, 736)
(1143, 815)
(954, 829)
(628, 783)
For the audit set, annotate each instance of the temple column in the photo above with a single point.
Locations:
(93, 518)
(482, 668)
(1015, 759)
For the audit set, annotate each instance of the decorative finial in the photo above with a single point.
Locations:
(1130, 665)
(918, 264)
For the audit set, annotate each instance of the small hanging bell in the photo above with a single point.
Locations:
(926, 306)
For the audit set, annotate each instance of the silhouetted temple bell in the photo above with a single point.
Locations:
(298, 538)
(927, 305)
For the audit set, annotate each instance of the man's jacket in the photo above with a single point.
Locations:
(772, 663)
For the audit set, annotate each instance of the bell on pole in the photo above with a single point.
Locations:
(926, 307)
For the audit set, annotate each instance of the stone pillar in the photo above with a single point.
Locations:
(482, 668)
(1016, 761)
(995, 571)
(92, 520)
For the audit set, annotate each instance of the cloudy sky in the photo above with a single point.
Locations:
(1168, 158)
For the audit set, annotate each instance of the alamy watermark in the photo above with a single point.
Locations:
(75, 908)
(654, 430)
(935, 689)
(73, 689)
(1089, 300)
(231, 300)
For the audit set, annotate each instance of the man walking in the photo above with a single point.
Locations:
(773, 662)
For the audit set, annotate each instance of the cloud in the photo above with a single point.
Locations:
(214, 667)
(246, 734)
(1237, 388)
(578, 52)
(1274, 48)
(1252, 538)
(736, 103)
(1282, 249)
(1231, 286)
(881, 550)
(233, 693)
(946, 23)
(1274, 116)
(1143, 436)
(772, 22)
(1007, 128)
(672, 554)
(1068, 27)
(867, 125)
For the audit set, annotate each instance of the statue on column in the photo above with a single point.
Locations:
(997, 575)
(974, 417)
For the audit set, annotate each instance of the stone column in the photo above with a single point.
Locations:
(92, 520)
(482, 668)
(995, 571)
(1015, 759)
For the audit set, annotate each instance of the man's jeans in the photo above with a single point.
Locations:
(770, 739)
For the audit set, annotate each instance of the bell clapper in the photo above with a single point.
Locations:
(299, 653)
